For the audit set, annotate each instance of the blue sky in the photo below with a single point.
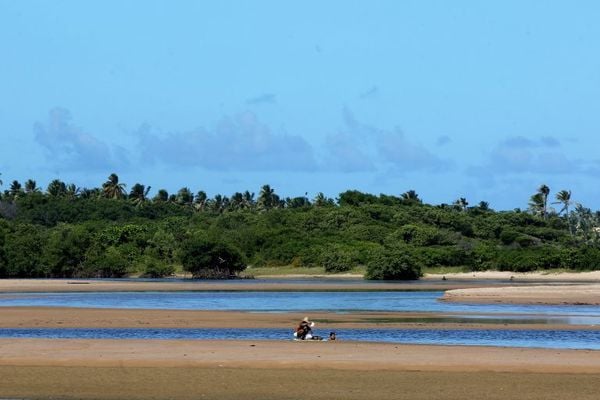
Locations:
(483, 100)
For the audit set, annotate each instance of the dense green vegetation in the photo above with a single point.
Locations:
(65, 231)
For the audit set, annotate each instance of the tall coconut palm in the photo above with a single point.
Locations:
(56, 188)
(544, 191)
(483, 206)
(185, 196)
(585, 221)
(86, 193)
(411, 197)
(248, 199)
(564, 197)
(139, 194)
(462, 203)
(112, 189)
(72, 191)
(219, 203)
(161, 196)
(320, 200)
(537, 204)
(1, 183)
(200, 200)
(15, 189)
(267, 198)
(31, 186)
(237, 201)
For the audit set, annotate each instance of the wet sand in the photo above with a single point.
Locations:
(64, 317)
(588, 294)
(91, 285)
(148, 369)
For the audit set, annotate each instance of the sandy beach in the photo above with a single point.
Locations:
(148, 369)
(282, 284)
(64, 317)
(588, 294)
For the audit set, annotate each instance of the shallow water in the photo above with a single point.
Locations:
(297, 301)
(554, 339)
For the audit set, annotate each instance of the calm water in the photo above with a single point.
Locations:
(556, 339)
(295, 301)
(341, 302)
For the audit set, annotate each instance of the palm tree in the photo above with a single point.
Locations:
(483, 206)
(72, 191)
(585, 220)
(545, 192)
(31, 186)
(15, 189)
(56, 188)
(237, 201)
(267, 198)
(536, 204)
(200, 200)
(112, 189)
(1, 183)
(320, 200)
(219, 203)
(564, 197)
(89, 193)
(462, 203)
(411, 197)
(161, 196)
(185, 196)
(139, 194)
(248, 199)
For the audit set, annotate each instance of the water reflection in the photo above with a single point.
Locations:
(555, 339)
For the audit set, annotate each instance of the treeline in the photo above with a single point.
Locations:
(65, 231)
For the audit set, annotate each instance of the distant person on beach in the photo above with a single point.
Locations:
(304, 328)
(332, 336)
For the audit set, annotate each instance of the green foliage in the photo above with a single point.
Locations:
(529, 259)
(106, 263)
(206, 258)
(23, 249)
(66, 250)
(339, 258)
(155, 268)
(394, 264)
(101, 232)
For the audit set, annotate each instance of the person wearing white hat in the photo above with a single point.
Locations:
(304, 329)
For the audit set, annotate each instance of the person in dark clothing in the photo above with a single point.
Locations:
(304, 328)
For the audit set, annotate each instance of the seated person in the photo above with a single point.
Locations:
(304, 328)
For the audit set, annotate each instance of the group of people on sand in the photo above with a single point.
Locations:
(304, 331)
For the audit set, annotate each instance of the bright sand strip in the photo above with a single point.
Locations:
(91, 285)
(546, 294)
(64, 317)
(154, 369)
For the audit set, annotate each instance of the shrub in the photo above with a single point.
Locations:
(154, 268)
(508, 236)
(206, 258)
(394, 264)
(338, 258)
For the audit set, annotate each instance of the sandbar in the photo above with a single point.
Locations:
(588, 294)
(69, 317)
(154, 369)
